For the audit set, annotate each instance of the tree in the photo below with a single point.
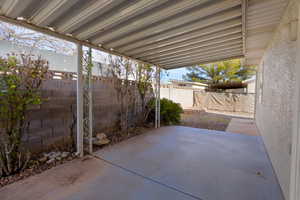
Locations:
(33, 39)
(220, 72)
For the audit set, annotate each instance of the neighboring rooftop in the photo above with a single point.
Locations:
(188, 82)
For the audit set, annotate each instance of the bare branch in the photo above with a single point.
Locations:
(26, 37)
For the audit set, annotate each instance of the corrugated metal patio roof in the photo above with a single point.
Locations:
(166, 33)
(262, 20)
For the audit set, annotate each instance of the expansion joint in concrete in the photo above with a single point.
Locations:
(147, 178)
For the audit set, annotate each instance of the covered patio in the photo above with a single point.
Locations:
(162, 33)
(171, 162)
(174, 162)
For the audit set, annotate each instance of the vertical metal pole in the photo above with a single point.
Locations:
(158, 86)
(90, 87)
(294, 192)
(156, 95)
(79, 101)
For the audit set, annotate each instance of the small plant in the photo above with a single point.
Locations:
(20, 81)
(169, 111)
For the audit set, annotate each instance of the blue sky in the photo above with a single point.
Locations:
(173, 74)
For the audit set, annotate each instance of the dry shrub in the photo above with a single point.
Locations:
(20, 80)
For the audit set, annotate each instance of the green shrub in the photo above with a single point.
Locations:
(169, 111)
(20, 81)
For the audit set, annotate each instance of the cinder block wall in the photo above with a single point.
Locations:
(54, 120)
(275, 97)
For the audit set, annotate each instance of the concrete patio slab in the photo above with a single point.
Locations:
(242, 126)
(90, 179)
(173, 162)
(207, 164)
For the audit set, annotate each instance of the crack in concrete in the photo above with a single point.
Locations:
(148, 178)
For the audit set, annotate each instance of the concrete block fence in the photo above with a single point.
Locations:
(55, 119)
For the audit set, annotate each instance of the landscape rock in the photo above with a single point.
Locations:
(101, 139)
(50, 161)
(43, 159)
(58, 158)
(52, 156)
(101, 136)
(65, 154)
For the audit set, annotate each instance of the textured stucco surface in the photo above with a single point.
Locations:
(251, 87)
(183, 96)
(231, 101)
(275, 96)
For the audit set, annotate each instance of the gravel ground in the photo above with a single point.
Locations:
(32, 170)
(37, 167)
(202, 119)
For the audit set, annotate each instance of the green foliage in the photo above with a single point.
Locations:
(20, 81)
(144, 74)
(226, 85)
(220, 72)
(143, 79)
(169, 111)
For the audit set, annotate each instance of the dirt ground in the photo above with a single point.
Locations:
(202, 119)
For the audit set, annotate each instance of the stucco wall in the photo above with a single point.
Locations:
(275, 96)
(183, 96)
(251, 87)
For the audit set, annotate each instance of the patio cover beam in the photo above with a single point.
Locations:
(165, 12)
(45, 13)
(203, 54)
(143, 46)
(228, 18)
(210, 49)
(89, 12)
(195, 59)
(68, 37)
(136, 30)
(14, 8)
(187, 41)
(158, 57)
(196, 14)
(190, 48)
(206, 61)
(120, 15)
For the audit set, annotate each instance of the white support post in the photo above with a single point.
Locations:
(295, 156)
(158, 94)
(79, 101)
(156, 97)
(90, 93)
